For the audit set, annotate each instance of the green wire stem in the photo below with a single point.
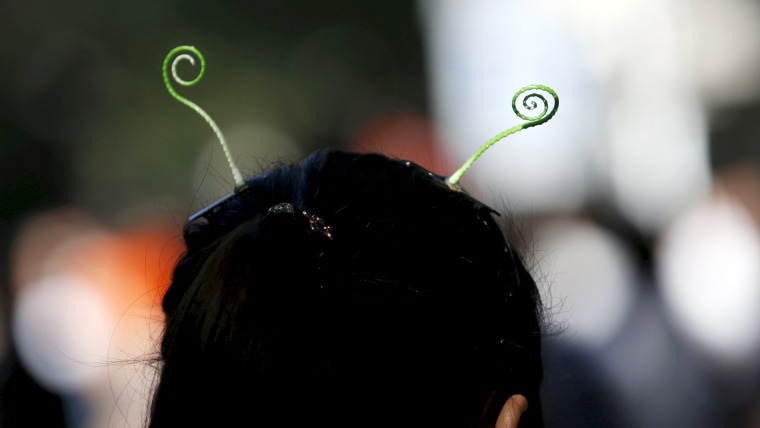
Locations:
(179, 55)
(529, 103)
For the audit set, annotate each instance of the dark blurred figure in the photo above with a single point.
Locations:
(34, 176)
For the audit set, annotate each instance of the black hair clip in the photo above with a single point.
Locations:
(211, 209)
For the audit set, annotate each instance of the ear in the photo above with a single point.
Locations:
(511, 412)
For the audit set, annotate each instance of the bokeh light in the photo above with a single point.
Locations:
(710, 273)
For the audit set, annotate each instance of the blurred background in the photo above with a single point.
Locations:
(638, 204)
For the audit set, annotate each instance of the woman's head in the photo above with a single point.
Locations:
(403, 304)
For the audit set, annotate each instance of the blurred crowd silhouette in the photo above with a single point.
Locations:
(638, 205)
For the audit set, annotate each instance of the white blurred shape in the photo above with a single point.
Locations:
(639, 51)
(658, 153)
(592, 288)
(709, 269)
(725, 50)
(61, 328)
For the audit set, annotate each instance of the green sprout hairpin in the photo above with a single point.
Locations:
(181, 53)
(178, 54)
(529, 103)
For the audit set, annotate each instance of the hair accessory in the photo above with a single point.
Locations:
(281, 208)
(529, 103)
(179, 54)
(316, 224)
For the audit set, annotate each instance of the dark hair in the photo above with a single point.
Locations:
(414, 312)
